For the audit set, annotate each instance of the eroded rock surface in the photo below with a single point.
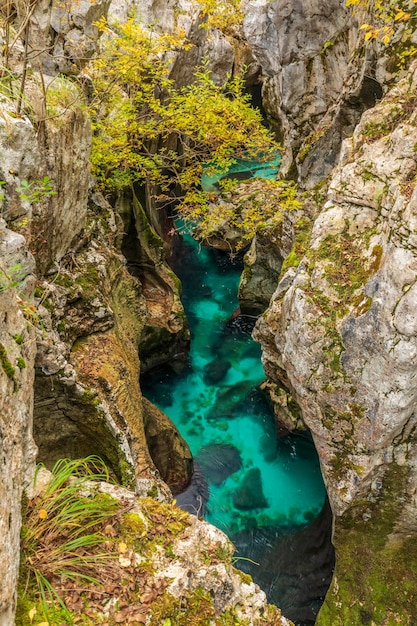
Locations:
(318, 78)
(17, 447)
(262, 266)
(65, 33)
(169, 451)
(340, 336)
(163, 565)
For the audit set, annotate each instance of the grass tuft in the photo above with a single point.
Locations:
(62, 536)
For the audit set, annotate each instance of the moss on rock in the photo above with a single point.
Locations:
(375, 581)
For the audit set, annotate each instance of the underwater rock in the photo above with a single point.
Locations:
(229, 398)
(194, 499)
(218, 461)
(240, 324)
(250, 493)
(215, 371)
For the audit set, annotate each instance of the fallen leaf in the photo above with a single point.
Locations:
(138, 619)
(147, 598)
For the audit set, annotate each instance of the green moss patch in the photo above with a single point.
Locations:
(7, 366)
(347, 270)
(302, 228)
(375, 581)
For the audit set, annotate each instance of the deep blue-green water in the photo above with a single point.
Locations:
(255, 480)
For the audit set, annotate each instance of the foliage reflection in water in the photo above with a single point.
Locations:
(255, 480)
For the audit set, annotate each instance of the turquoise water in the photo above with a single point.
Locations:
(255, 480)
(244, 169)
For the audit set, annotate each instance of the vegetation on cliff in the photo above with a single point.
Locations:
(393, 23)
(147, 130)
(93, 553)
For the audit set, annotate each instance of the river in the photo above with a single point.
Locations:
(263, 490)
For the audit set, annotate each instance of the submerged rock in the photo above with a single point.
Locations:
(229, 398)
(250, 493)
(194, 499)
(215, 371)
(218, 461)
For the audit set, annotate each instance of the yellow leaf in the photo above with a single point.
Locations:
(32, 614)
(368, 35)
(43, 514)
(122, 547)
(365, 27)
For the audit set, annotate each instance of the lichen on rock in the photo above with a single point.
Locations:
(339, 336)
(17, 447)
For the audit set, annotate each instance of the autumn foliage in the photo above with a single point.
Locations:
(149, 131)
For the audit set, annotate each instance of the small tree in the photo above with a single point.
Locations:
(148, 130)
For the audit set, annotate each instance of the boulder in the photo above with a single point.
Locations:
(218, 461)
(215, 371)
(249, 495)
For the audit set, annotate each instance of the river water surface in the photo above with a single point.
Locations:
(261, 488)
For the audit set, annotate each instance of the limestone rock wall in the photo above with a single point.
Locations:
(17, 448)
(63, 35)
(165, 335)
(83, 318)
(52, 215)
(317, 78)
(340, 336)
(166, 16)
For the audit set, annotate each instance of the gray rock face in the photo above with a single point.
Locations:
(370, 213)
(17, 448)
(166, 17)
(317, 80)
(66, 34)
(302, 48)
(340, 332)
(62, 153)
(263, 263)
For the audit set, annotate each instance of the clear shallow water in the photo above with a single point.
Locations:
(244, 169)
(219, 411)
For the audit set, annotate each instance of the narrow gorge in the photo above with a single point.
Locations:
(282, 136)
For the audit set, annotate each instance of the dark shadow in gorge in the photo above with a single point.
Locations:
(295, 568)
